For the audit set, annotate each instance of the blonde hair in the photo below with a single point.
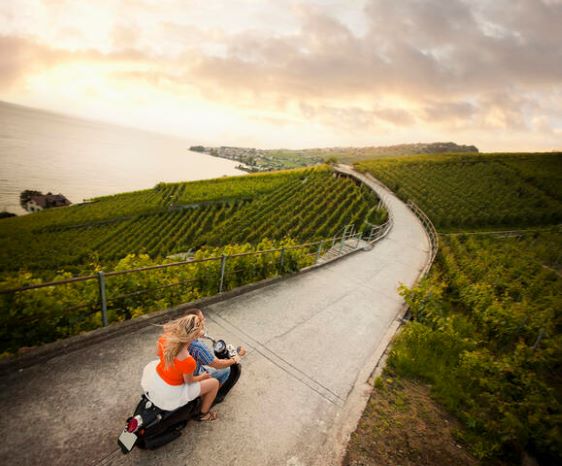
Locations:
(178, 333)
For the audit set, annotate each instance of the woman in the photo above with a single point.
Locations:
(169, 381)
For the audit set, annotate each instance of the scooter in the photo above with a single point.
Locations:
(151, 427)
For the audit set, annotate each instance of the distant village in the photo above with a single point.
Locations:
(259, 160)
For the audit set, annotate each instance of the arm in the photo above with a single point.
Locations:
(190, 378)
(188, 366)
(223, 363)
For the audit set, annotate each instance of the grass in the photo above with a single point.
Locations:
(402, 425)
(486, 331)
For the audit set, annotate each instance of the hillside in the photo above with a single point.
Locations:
(182, 217)
(477, 191)
(289, 217)
(486, 330)
(357, 154)
(260, 160)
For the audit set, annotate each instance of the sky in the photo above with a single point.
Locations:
(295, 73)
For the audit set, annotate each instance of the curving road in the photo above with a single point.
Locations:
(313, 341)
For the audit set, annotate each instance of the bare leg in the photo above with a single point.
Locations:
(209, 389)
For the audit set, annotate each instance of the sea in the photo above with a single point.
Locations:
(82, 159)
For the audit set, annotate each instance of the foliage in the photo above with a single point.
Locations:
(467, 191)
(183, 217)
(45, 314)
(25, 196)
(487, 336)
(230, 216)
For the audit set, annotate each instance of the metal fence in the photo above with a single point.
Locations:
(431, 232)
(43, 312)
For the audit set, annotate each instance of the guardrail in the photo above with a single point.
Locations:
(87, 302)
(377, 232)
(431, 232)
(424, 219)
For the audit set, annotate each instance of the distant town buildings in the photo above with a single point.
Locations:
(260, 160)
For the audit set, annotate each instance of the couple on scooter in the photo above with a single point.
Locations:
(186, 369)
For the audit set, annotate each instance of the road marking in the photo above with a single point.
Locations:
(278, 361)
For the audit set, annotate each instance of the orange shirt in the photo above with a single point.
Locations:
(174, 375)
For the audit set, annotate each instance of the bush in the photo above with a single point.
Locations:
(32, 317)
(489, 344)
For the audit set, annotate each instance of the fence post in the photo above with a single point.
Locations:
(358, 239)
(103, 300)
(223, 267)
(343, 239)
(282, 259)
(318, 251)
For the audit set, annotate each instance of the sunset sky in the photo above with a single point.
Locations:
(295, 74)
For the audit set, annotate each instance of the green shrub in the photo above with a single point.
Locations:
(486, 336)
(31, 317)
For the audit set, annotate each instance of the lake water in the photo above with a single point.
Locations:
(82, 159)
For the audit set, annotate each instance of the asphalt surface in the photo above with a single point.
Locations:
(312, 340)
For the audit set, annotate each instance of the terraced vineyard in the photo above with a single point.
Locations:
(475, 191)
(181, 217)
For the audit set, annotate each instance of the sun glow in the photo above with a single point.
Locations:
(311, 74)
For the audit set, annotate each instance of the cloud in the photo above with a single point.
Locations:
(449, 111)
(472, 46)
(415, 63)
(125, 37)
(20, 57)
(356, 119)
(414, 49)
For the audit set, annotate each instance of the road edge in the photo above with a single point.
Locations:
(335, 445)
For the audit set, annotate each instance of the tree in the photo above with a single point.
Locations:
(25, 196)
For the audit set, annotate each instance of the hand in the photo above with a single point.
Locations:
(241, 351)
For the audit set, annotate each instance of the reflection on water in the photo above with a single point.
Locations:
(83, 159)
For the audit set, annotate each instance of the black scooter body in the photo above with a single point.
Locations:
(156, 427)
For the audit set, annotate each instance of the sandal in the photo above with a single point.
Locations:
(208, 416)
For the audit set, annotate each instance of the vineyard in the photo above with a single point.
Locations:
(182, 217)
(486, 330)
(460, 192)
(487, 335)
(137, 285)
(217, 235)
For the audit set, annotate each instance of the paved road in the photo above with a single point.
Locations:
(313, 340)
